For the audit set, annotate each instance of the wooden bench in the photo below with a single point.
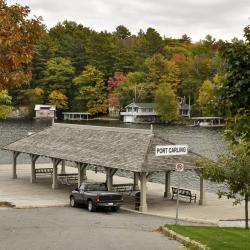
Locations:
(68, 178)
(44, 171)
(184, 193)
(124, 188)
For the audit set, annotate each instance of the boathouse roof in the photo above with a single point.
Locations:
(43, 106)
(119, 148)
(141, 105)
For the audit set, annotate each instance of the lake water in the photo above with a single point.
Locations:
(205, 141)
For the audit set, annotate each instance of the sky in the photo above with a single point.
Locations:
(223, 19)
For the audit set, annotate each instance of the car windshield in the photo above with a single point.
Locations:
(96, 187)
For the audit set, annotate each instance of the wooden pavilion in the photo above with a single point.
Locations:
(111, 148)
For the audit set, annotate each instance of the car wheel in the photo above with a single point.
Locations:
(73, 202)
(91, 206)
(115, 209)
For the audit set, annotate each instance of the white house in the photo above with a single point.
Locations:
(140, 113)
(45, 111)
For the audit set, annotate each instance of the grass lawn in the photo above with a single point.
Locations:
(216, 238)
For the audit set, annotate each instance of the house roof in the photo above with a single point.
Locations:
(120, 148)
(39, 106)
(141, 105)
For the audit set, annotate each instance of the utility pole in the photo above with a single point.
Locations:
(189, 107)
(135, 93)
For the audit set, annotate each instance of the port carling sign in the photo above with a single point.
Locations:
(171, 150)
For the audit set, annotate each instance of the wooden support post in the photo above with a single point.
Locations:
(80, 176)
(63, 167)
(14, 173)
(85, 172)
(202, 200)
(81, 173)
(55, 166)
(33, 167)
(167, 193)
(143, 198)
(136, 179)
(109, 177)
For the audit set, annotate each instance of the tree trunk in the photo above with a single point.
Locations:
(246, 211)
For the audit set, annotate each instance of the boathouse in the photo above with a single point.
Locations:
(45, 111)
(140, 113)
(105, 147)
(76, 116)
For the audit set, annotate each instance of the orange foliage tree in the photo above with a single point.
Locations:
(18, 34)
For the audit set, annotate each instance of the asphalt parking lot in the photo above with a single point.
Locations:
(76, 228)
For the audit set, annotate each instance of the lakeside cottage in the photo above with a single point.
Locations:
(140, 113)
(145, 112)
(45, 111)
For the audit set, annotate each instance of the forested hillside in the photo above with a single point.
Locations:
(79, 69)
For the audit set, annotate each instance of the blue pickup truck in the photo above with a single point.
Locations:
(95, 195)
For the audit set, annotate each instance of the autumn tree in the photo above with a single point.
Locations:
(156, 67)
(162, 70)
(58, 99)
(113, 83)
(116, 80)
(92, 90)
(18, 34)
(209, 95)
(166, 103)
(133, 89)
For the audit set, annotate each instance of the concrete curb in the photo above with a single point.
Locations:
(40, 206)
(186, 241)
(191, 220)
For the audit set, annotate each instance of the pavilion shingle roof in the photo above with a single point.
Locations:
(121, 148)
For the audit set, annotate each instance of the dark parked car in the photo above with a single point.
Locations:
(95, 195)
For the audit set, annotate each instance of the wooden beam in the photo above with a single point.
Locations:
(33, 167)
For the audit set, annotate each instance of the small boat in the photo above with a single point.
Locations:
(208, 122)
